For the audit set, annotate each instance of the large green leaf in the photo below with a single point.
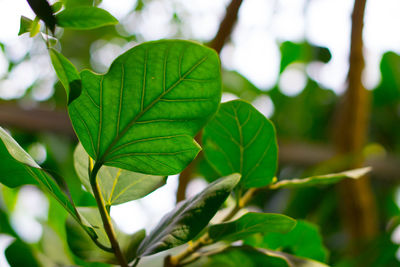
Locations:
(249, 224)
(321, 179)
(142, 114)
(184, 222)
(85, 248)
(68, 75)
(240, 139)
(240, 256)
(117, 186)
(18, 168)
(84, 18)
(304, 240)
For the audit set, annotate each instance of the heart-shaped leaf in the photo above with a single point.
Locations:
(249, 224)
(190, 217)
(240, 139)
(117, 186)
(143, 113)
(84, 18)
(321, 179)
(83, 246)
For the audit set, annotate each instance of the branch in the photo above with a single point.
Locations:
(224, 31)
(357, 200)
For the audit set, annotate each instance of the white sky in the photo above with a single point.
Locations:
(254, 52)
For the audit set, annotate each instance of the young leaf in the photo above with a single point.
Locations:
(117, 186)
(304, 240)
(187, 220)
(83, 247)
(25, 25)
(21, 254)
(84, 18)
(18, 168)
(240, 139)
(142, 115)
(321, 179)
(68, 75)
(249, 224)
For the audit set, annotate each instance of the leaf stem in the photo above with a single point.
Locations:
(105, 217)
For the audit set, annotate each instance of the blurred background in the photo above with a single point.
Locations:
(289, 58)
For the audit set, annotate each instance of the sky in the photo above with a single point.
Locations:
(253, 51)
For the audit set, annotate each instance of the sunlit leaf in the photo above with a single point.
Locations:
(240, 139)
(184, 222)
(321, 179)
(57, 6)
(83, 246)
(117, 185)
(249, 224)
(142, 115)
(84, 18)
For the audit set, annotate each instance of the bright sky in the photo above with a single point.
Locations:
(253, 52)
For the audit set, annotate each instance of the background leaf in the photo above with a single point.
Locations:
(142, 115)
(84, 18)
(21, 254)
(240, 256)
(321, 179)
(190, 216)
(304, 240)
(240, 139)
(249, 224)
(117, 185)
(83, 246)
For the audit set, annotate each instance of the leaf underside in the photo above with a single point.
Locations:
(143, 113)
(191, 216)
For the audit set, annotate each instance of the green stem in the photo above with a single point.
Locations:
(105, 217)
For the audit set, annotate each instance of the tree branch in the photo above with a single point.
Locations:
(357, 200)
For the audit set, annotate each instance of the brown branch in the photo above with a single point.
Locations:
(224, 31)
(357, 200)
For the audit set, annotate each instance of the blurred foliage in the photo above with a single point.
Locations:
(305, 117)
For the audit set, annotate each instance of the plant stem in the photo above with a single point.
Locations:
(105, 217)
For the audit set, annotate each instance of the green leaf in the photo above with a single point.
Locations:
(249, 224)
(84, 18)
(21, 254)
(240, 256)
(321, 179)
(75, 3)
(35, 27)
(57, 6)
(83, 247)
(68, 75)
(234, 83)
(304, 240)
(142, 115)
(18, 168)
(117, 186)
(240, 139)
(25, 25)
(293, 260)
(190, 217)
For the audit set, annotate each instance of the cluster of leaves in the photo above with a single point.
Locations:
(136, 125)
